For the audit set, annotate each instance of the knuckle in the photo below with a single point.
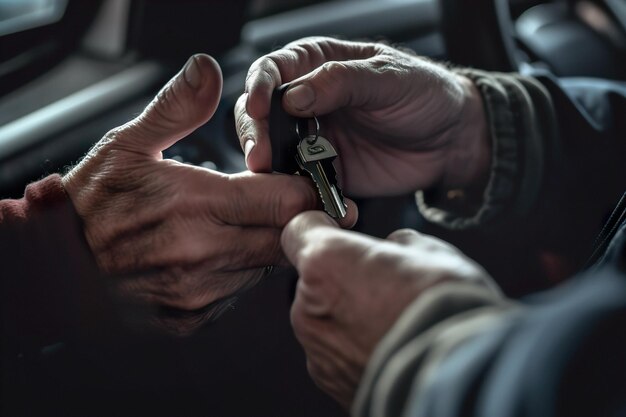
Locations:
(303, 42)
(240, 110)
(332, 243)
(113, 134)
(380, 46)
(317, 46)
(269, 71)
(166, 105)
(433, 244)
(306, 51)
(297, 317)
(252, 70)
(245, 127)
(236, 197)
(170, 282)
(288, 206)
(382, 65)
(300, 50)
(300, 323)
(273, 250)
(334, 69)
(293, 199)
(258, 67)
(192, 302)
(322, 373)
(180, 323)
(315, 259)
(308, 266)
(403, 235)
(184, 297)
(315, 370)
(104, 145)
(265, 70)
(405, 232)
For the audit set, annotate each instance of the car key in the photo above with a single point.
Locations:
(283, 136)
(292, 154)
(315, 156)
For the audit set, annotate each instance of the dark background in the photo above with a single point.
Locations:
(248, 362)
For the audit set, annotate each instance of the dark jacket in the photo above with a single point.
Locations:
(459, 350)
(455, 351)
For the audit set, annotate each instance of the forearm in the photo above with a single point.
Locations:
(459, 352)
(406, 361)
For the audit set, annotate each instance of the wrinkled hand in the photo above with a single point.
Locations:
(399, 122)
(353, 287)
(175, 235)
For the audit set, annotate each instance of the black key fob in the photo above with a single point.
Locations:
(283, 134)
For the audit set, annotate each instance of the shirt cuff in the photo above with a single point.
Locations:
(417, 337)
(521, 121)
(50, 283)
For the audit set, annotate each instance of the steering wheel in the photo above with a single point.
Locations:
(480, 34)
(484, 35)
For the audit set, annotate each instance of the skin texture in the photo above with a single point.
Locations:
(353, 287)
(175, 237)
(399, 122)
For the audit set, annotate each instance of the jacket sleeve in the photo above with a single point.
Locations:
(457, 351)
(49, 280)
(558, 149)
(460, 351)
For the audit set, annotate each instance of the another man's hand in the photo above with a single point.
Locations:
(399, 122)
(352, 288)
(175, 235)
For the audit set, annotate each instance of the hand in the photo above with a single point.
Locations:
(399, 122)
(352, 288)
(183, 237)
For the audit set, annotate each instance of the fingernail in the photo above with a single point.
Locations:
(247, 148)
(192, 73)
(300, 96)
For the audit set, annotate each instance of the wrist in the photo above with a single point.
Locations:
(469, 161)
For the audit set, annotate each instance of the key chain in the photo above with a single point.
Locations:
(315, 155)
(317, 130)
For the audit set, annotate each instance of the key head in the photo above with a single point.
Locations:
(311, 149)
(315, 157)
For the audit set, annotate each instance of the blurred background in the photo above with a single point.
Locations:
(70, 70)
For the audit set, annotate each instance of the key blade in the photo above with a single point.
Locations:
(315, 156)
(324, 176)
(338, 199)
(335, 198)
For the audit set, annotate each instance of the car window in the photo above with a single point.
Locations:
(20, 15)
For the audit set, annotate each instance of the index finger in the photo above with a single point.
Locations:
(271, 200)
(267, 200)
(293, 61)
(269, 72)
(253, 138)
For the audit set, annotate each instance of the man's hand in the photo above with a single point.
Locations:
(352, 288)
(180, 236)
(399, 122)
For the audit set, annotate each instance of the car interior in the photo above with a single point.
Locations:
(71, 70)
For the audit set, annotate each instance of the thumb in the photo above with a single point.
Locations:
(335, 85)
(185, 103)
(302, 230)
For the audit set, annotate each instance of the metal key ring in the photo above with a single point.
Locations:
(317, 131)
